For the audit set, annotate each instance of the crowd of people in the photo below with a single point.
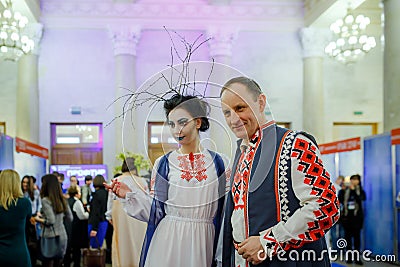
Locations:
(351, 196)
(202, 208)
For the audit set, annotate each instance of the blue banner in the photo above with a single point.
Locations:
(397, 162)
(378, 208)
(6, 152)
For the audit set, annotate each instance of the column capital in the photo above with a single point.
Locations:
(314, 41)
(34, 31)
(125, 39)
(221, 41)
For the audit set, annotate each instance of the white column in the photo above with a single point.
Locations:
(391, 78)
(220, 44)
(27, 89)
(125, 40)
(313, 41)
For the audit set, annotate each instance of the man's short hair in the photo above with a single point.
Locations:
(73, 191)
(88, 178)
(250, 84)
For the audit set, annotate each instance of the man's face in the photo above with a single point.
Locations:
(73, 180)
(240, 108)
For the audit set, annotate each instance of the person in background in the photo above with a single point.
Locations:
(73, 181)
(352, 215)
(55, 211)
(86, 191)
(337, 231)
(15, 213)
(97, 218)
(33, 194)
(110, 228)
(128, 232)
(77, 235)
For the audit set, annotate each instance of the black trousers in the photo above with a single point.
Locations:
(352, 234)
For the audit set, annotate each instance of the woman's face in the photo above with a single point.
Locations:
(184, 128)
(355, 182)
(25, 184)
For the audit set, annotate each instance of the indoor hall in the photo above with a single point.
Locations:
(64, 82)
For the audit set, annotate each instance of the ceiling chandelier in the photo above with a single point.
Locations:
(351, 42)
(13, 43)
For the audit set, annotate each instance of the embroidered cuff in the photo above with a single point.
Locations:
(270, 244)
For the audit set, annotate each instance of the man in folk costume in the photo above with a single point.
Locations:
(281, 200)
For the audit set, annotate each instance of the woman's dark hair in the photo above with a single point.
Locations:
(98, 181)
(356, 177)
(51, 189)
(129, 165)
(31, 187)
(196, 107)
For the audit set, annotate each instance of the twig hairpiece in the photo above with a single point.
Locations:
(182, 86)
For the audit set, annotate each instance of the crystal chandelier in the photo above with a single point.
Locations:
(13, 43)
(351, 42)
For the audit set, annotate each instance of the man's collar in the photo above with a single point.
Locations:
(244, 143)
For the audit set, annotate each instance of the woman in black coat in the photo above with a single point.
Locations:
(352, 215)
(97, 218)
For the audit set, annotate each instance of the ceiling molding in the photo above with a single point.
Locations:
(219, 2)
(279, 16)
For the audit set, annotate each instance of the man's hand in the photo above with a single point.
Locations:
(250, 250)
(118, 188)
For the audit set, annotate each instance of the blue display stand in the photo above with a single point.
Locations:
(350, 163)
(378, 186)
(6, 152)
(329, 164)
(26, 164)
(397, 177)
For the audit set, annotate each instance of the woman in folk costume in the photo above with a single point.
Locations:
(128, 232)
(187, 193)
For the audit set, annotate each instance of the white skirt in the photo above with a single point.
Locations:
(182, 242)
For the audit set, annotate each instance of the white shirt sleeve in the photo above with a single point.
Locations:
(137, 203)
(319, 207)
(80, 211)
(110, 200)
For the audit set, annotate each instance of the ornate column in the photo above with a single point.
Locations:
(27, 89)
(125, 40)
(220, 44)
(313, 41)
(391, 66)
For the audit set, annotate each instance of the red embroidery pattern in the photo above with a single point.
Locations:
(317, 177)
(272, 247)
(242, 174)
(189, 171)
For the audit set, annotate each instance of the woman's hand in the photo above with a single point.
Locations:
(39, 219)
(118, 188)
(93, 233)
